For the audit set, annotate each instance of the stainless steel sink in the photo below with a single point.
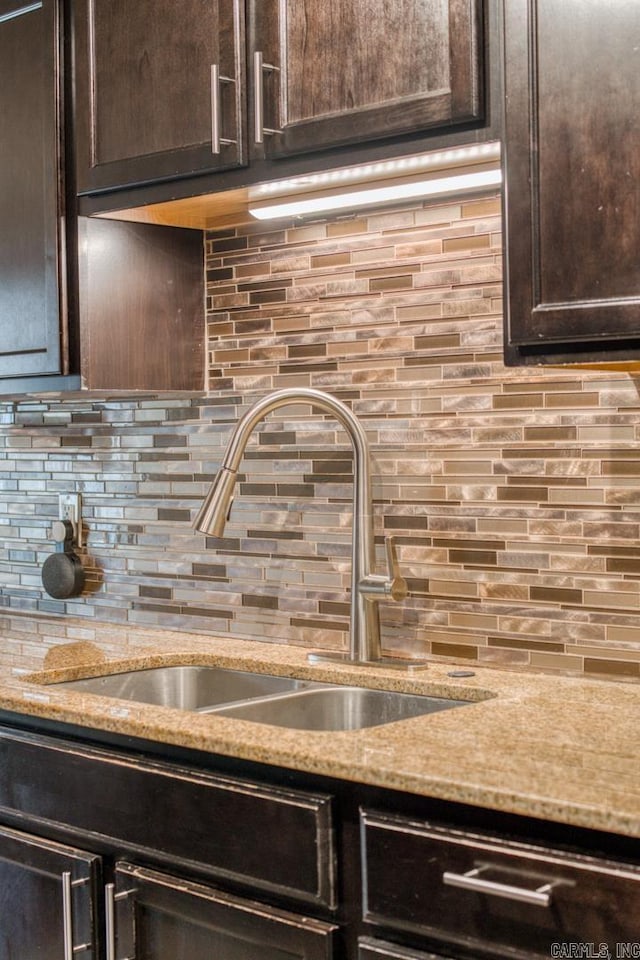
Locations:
(262, 698)
(337, 708)
(187, 687)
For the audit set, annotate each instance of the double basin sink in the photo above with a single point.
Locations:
(262, 698)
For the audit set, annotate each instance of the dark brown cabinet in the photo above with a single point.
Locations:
(59, 316)
(155, 916)
(572, 150)
(142, 856)
(141, 306)
(165, 91)
(159, 90)
(328, 74)
(33, 331)
(272, 843)
(492, 896)
(52, 898)
(47, 899)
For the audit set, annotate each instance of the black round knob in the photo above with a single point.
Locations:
(63, 575)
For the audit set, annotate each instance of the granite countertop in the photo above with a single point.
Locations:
(558, 748)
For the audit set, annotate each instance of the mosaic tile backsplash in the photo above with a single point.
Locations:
(514, 495)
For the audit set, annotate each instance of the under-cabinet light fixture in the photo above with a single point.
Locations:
(438, 174)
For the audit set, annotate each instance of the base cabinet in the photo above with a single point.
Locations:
(52, 899)
(48, 899)
(114, 853)
(493, 896)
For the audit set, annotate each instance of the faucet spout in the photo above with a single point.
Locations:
(367, 587)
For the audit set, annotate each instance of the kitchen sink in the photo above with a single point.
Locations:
(262, 698)
(186, 687)
(337, 708)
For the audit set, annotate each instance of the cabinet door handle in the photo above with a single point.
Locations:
(110, 897)
(472, 880)
(216, 109)
(259, 70)
(67, 916)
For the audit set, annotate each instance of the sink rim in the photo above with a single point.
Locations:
(234, 707)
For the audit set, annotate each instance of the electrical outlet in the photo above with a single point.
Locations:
(70, 508)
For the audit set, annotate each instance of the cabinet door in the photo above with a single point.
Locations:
(342, 72)
(572, 171)
(30, 338)
(159, 89)
(380, 950)
(155, 916)
(47, 899)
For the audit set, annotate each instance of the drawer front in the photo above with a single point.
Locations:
(490, 895)
(274, 839)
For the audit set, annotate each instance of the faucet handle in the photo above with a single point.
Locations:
(397, 585)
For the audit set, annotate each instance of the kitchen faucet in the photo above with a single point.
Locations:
(367, 587)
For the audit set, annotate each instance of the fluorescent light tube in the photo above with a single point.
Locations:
(372, 195)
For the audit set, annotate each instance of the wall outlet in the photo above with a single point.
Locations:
(70, 508)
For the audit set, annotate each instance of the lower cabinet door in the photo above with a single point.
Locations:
(380, 950)
(156, 916)
(47, 899)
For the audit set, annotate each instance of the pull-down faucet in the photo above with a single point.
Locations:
(367, 588)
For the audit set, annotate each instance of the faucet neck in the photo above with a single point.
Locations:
(366, 587)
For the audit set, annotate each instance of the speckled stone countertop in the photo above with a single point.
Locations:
(557, 748)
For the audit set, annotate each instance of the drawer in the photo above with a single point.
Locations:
(490, 895)
(271, 838)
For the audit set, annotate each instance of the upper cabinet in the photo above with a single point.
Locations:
(33, 335)
(165, 91)
(572, 88)
(328, 74)
(159, 90)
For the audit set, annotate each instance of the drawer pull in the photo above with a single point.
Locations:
(110, 899)
(472, 880)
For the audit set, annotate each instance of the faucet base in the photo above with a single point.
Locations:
(389, 663)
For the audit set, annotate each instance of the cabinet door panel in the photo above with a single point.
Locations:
(33, 905)
(29, 202)
(350, 71)
(145, 94)
(168, 918)
(369, 949)
(572, 166)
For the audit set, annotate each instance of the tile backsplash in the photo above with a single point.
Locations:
(514, 495)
